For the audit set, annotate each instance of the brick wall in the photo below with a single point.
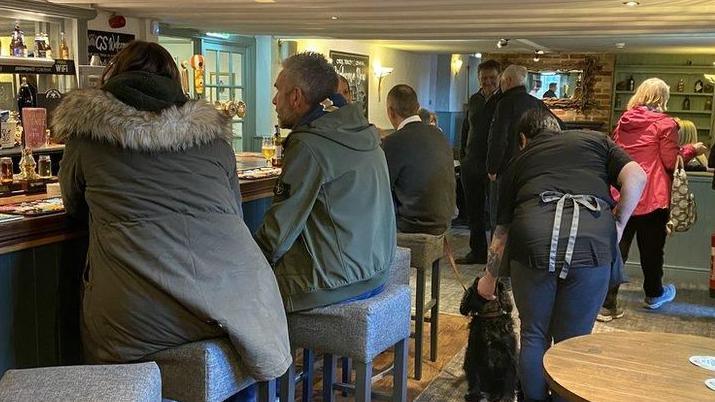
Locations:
(603, 85)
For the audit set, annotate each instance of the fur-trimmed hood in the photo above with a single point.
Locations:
(98, 115)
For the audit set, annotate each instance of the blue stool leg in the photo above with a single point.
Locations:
(329, 364)
(347, 371)
(363, 381)
(287, 384)
(267, 391)
(308, 360)
(399, 381)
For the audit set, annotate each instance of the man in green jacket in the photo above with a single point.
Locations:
(330, 232)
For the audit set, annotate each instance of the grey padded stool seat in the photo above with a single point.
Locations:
(426, 251)
(359, 330)
(205, 371)
(121, 382)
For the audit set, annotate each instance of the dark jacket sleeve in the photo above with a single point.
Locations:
(464, 136)
(72, 182)
(498, 137)
(393, 154)
(296, 191)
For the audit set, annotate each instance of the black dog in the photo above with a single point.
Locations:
(491, 358)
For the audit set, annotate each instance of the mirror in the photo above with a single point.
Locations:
(550, 84)
(579, 77)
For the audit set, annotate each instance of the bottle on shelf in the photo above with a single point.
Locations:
(48, 48)
(17, 41)
(277, 160)
(631, 84)
(686, 103)
(26, 96)
(64, 49)
(708, 104)
(40, 49)
(681, 85)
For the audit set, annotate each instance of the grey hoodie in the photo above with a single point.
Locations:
(330, 233)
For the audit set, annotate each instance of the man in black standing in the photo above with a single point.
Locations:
(473, 158)
(503, 142)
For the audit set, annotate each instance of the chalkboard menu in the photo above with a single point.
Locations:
(356, 69)
(106, 44)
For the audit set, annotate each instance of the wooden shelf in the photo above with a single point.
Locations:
(665, 69)
(26, 61)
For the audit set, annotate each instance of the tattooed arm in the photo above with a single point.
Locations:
(487, 283)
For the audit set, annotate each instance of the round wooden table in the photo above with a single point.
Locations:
(630, 366)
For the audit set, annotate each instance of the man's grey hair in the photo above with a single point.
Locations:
(312, 73)
(517, 74)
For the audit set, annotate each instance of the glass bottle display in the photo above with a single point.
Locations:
(17, 42)
(278, 144)
(64, 49)
(26, 97)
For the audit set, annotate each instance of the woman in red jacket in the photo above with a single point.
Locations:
(650, 137)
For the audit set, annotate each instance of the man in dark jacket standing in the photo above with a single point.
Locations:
(330, 232)
(473, 164)
(421, 167)
(503, 143)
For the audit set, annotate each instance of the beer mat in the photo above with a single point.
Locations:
(706, 362)
(34, 208)
(260, 173)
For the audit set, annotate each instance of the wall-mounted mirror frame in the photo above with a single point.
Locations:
(583, 97)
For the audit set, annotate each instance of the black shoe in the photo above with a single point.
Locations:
(470, 259)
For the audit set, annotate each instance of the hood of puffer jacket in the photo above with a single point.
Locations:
(346, 126)
(98, 115)
(639, 119)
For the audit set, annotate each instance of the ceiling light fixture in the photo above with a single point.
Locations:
(265, 1)
(620, 45)
(502, 43)
(478, 55)
(334, 17)
(631, 3)
(537, 54)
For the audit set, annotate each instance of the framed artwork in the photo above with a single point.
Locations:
(356, 68)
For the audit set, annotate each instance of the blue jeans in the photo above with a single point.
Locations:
(553, 309)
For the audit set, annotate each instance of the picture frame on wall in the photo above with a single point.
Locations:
(356, 69)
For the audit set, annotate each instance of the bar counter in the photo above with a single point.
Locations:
(41, 263)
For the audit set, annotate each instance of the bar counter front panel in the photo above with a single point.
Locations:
(41, 261)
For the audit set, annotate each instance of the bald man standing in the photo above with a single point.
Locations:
(503, 141)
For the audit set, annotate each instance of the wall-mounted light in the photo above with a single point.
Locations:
(457, 63)
(620, 45)
(381, 72)
(537, 55)
(478, 55)
(502, 43)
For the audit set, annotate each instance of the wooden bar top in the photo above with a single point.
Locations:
(38, 231)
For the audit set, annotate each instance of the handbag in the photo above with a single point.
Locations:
(683, 210)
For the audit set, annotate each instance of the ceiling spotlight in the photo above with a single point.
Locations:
(631, 3)
(334, 17)
(502, 43)
(620, 45)
(537, 53)
(478, 55)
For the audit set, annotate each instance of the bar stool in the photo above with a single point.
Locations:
(206, 371)
(426, 251)
(359, 330)
(116, 382)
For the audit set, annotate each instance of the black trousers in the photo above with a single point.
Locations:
(649, 230)
(474, 182)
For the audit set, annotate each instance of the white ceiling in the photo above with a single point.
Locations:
(451, 25)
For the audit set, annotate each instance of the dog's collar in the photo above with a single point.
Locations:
(491, 315)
